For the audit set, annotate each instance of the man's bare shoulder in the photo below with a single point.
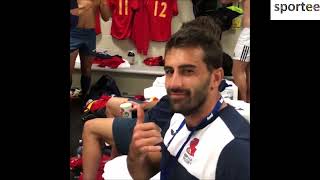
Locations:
(87, 4)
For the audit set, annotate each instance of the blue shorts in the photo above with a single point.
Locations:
(122, 128)
(84, 40)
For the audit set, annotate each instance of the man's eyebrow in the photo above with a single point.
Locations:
(181, 66)
(187, 66)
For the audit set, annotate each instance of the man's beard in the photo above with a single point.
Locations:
(190, 104)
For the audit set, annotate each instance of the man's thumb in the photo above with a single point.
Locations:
(140, 114)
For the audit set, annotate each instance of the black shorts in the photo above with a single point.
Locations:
(122, 129)
(84, 40)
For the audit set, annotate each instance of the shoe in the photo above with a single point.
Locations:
(75, 93)
(154, 61)
(139, 97)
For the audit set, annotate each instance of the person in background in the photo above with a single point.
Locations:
(241, 59)
(83, 36)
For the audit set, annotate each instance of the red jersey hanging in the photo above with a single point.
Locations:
(122, 15)
(140, 28)
(160, 13)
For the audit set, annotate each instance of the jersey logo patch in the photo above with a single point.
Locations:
(187, 157)
(192, 148)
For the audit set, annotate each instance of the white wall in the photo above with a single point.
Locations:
(129, 83)
(121, 47)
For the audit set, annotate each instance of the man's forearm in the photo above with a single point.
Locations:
(143, 168)
(135, 168)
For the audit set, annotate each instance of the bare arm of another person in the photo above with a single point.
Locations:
(105, 10)
(246, 13)
(144, 155)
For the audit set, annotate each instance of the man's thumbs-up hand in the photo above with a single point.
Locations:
(146, 137)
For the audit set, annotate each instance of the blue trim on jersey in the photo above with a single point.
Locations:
(175, 133)
(234, 161)
(239, 128)
(204, 122)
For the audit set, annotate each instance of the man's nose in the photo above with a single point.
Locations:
(175, 81)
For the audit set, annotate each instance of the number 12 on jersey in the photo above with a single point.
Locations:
(163, 10)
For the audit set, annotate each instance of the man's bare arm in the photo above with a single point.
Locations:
(105, 10)
(246, 13)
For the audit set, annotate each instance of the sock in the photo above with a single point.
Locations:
(85, 84)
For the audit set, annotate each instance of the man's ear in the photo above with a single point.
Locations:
(216, 76)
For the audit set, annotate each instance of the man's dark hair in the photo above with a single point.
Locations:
(199, 33)
(206, 22)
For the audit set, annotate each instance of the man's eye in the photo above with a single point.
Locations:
(168, 71)
(188, 71)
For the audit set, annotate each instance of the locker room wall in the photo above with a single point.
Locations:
(130, 83)
(121, 47)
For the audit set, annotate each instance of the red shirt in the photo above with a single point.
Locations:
(160, 14)
(122, 17)
(140, 28)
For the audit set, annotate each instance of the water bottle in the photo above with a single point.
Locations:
(131, 58)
